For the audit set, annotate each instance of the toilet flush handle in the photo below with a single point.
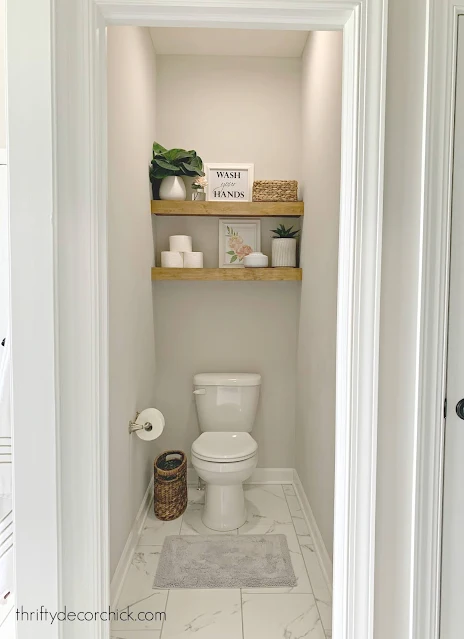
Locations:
(199, 391)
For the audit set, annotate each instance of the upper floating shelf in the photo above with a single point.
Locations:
(229, 209)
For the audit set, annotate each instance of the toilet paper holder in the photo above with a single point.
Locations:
(133, 426)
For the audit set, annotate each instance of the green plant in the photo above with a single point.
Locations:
(281, 232)
(174, 162)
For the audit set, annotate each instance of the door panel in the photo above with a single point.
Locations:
(452, 594)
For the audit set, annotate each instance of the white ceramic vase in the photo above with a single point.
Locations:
(172, 188)
(284, 252)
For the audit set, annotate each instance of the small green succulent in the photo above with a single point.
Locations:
(282, 232)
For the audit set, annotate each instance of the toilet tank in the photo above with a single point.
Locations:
(226, 401)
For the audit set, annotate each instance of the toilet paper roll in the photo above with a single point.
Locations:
(181, 243)
(172, 259)
(154, 417)
(193, 259)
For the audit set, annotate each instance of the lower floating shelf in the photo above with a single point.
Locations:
(227, 274)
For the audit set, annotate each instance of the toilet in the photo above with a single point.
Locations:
(225, 454)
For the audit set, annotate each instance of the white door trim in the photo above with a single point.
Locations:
(433, 318)
(79, 256)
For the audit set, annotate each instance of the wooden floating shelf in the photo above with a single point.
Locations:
(228, 209)
(227, 274)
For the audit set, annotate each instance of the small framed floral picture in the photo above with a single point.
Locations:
(237, 238)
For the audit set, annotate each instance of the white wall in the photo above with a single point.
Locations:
(230, 109)
(315, 424)
(131, 131)
(2, 75)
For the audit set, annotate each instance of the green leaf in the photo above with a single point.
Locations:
(177, 155)
(157, 148)
(164, 164)
(234, 259)
(230, 252)
(190, 169)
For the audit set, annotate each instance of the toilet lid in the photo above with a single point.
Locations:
(225, 447)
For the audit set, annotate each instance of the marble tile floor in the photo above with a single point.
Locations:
(304, 611)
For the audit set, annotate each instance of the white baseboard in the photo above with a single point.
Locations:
(319, 546)
(131, 543)
(259, 476)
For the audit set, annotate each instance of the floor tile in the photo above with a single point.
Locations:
(209, 614)
(195, 496)
(266, 508)
(306, 541)
(319, 586)
(138, 595)
(259, 527)
(281, 617)
(155, 530)
(325, 613)
(135, 634)
(288, 489)
(299, 520)
(192, 523)
(203, 614)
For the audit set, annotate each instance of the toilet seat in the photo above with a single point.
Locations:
(224, 447)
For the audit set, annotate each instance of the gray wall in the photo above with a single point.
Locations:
(131, 130)
(239, 110)
(321, 128)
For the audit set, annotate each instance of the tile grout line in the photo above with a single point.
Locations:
(165, 614)
(306, 568)
(241, 612)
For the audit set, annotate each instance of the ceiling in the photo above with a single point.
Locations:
(236, 42)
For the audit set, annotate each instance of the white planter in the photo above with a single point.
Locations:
(284, 252)
(172, 188)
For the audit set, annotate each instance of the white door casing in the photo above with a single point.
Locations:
(70, 261)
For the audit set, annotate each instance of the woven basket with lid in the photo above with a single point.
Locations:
(170, 485)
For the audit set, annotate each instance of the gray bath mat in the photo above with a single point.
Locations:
(225, 561)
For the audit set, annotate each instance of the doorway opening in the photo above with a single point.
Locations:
(239, 98)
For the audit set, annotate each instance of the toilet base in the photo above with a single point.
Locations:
(224, 507)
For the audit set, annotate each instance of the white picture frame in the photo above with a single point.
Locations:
(248, 234)
(229, 182)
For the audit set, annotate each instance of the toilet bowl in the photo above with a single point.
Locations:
(225, 454)
(224, 473)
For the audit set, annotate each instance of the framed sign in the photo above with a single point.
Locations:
(237, 238)
(229, 182)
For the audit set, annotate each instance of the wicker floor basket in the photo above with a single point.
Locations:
(275, 191)
(170, 497)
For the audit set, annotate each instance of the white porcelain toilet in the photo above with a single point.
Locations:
(225, 454)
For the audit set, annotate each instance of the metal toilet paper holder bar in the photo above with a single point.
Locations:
(133, 426)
